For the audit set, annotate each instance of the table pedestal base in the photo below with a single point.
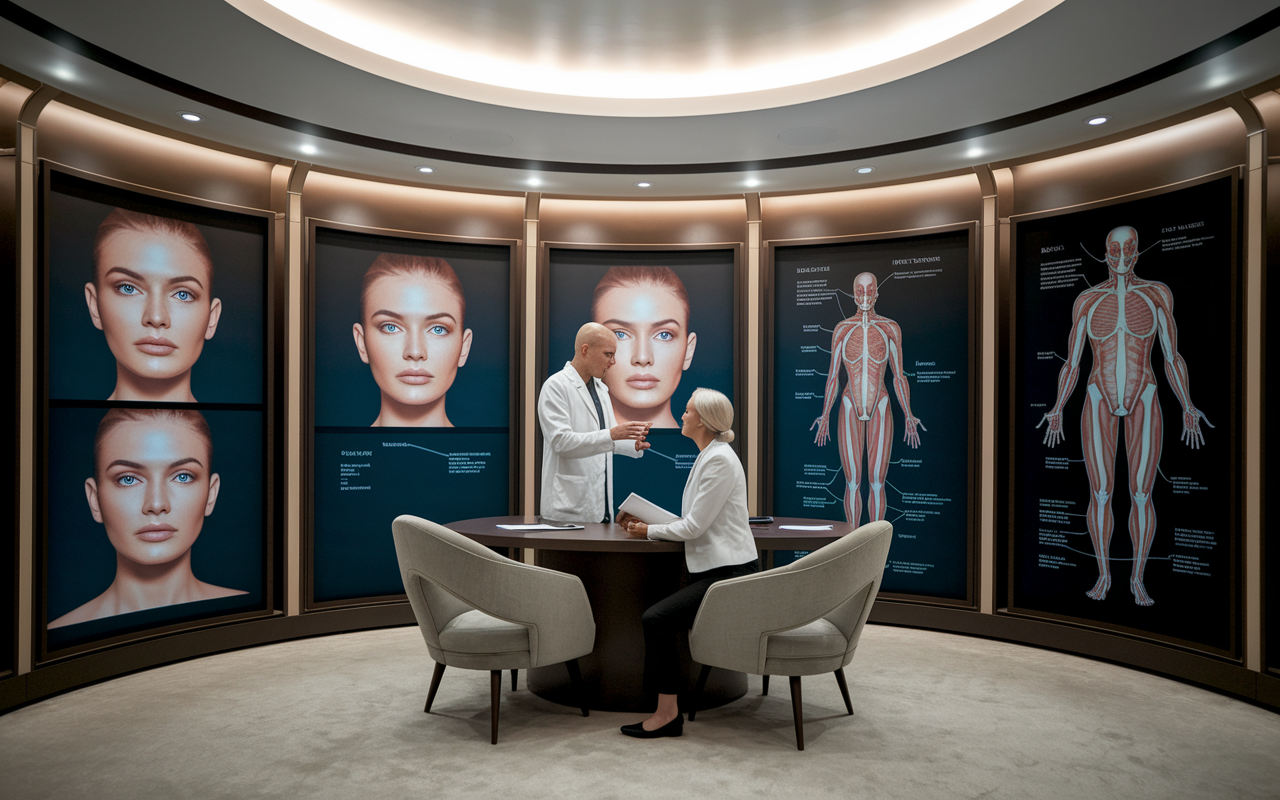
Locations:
(621, 586)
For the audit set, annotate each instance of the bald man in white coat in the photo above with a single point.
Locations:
(580, 434)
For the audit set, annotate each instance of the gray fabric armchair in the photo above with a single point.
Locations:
(801, 619)
(478, 610)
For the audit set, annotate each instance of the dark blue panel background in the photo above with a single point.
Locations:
(345, 393)
(81, 367)
(81, 562)
(354, 555)
(1191, 607)
(929, 555)
(708, 277)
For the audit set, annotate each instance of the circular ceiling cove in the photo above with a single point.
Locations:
(644, 57)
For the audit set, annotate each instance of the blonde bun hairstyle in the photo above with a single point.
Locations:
(715, 411)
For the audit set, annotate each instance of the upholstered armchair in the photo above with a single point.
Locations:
(479, 610)
(804, 618)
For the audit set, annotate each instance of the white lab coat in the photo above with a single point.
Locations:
(577, 456)
(713, 523)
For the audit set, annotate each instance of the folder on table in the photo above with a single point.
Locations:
(645, 511)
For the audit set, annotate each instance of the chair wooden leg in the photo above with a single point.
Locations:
(696, 699)
(765, 693)
(435, 686)
(797, 711)
(514, 673)
(495, 693)
(575, 678)
(844, 690)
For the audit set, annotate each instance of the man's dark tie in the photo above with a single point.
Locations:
(591, 387)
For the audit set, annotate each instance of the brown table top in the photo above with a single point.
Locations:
(612, 538)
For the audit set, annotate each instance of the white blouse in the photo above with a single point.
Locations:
(713, 523)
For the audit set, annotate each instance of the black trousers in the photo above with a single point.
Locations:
(665, 620)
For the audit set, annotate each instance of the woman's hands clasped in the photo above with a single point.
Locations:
(634, 527)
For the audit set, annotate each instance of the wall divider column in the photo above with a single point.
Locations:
(295, 395)
(752, 426)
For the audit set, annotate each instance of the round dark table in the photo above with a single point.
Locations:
(623, 576)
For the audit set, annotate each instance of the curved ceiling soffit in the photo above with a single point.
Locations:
(833, 57)
(82, 47)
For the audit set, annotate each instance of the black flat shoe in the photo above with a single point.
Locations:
(673, 728)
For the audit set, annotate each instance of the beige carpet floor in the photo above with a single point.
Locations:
(937, 716)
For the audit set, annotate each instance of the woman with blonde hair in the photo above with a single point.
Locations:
(718, 545)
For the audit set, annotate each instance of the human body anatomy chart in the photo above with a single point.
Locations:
(1124, 356)
(871, 397)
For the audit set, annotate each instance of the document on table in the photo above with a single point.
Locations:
(541, 526)
(645, 511)
(804, 527)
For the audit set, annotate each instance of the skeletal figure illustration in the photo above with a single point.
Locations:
(865, 343)
(1122, 318)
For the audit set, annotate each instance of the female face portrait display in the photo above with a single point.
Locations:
(152, 487)
(647, 308)
(412, 337)
(152, 297)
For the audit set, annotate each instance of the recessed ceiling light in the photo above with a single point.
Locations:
(426, 170)
(751, 182)
(866, 170)
(643, 184)
(1101, 119)
(190, 116)
(535, 181)
(309, 149)
(63, 72)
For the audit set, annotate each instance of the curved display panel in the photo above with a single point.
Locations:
(156, 489)
(674, 312)
(871, 397)
(1124, 481)
(412, 396)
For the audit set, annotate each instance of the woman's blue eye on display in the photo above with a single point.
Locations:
(439, 330)
(664, 336)
(127, 288)
(390, 327)
(127, 480)
(184, 295)
(622, 334)
(184, 477)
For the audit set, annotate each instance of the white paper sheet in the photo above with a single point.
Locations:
(804, 527)
(645, 511)
(541, 526)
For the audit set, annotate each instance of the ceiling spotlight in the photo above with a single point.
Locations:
(866, 170)
(535, 181)
(191, 116)
(63, 72)
(426, 170)
(644, 184)
(751, 182)
(309, 149)
(1101, 119)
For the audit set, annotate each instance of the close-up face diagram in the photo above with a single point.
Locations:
(412, 336)
(151, 296)
(647, 308)
(153, 486)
